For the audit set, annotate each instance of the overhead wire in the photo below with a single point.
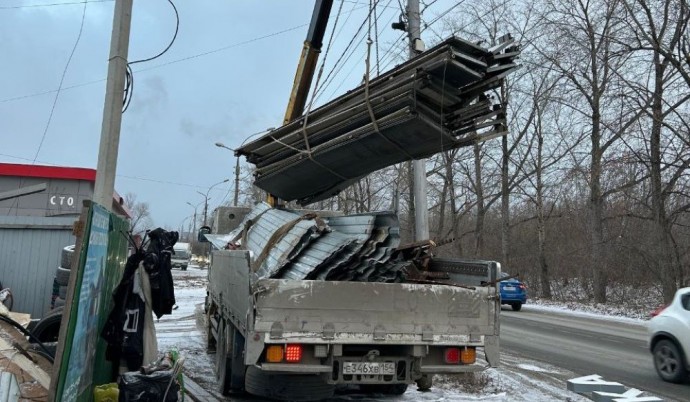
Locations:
(53, 4)
(129, 74)
(62, 80)
(194, 56)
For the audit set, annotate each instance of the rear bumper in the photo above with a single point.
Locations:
(448, 369)
(513, 299)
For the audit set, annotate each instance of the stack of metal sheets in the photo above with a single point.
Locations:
(353, 248)
(437, 101)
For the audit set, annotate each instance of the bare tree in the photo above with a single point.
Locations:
(141, 214)
(657, 32)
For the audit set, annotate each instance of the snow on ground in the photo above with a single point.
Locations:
(517, 379)
(635, 302)
(183, 329)
(581, 311)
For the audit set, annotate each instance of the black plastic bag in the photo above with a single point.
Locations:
(137, 387)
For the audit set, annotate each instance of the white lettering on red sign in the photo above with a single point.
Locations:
(61, 200)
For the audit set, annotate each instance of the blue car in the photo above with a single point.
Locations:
(513, 292)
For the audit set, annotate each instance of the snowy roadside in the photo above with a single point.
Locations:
(517, 379)
(586, 311)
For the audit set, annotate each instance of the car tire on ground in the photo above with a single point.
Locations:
(62, 276)
(47, 328)
(669, 361)
(297, 387)
(66, 259)
(517, 306)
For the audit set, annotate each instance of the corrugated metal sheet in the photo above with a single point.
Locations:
(437, 101)
(356, 247)
(30, 249)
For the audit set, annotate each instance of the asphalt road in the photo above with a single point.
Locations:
(615, 350)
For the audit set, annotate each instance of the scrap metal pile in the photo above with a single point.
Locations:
(289, 245)
(437, 101)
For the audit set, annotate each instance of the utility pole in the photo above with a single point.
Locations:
(421, 218)
(237, 181)
(112, 110)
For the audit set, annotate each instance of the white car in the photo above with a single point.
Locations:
(669, 338)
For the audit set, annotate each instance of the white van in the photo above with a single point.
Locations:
(183, 253)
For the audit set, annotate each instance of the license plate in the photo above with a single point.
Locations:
(368, 368)
(509, 288)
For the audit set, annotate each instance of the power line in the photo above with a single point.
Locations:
(246, 42)
(62, 79)
(129, 75)
(54, 4)
(148, 179)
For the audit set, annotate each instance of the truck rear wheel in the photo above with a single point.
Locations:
(386, 389)
(425, 382)
(230, 368)
(297, 387)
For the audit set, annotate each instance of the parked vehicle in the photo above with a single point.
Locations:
(296, 339)
(669, 338)
(182, 256)
(513, 291)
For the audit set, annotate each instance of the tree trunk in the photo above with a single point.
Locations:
(505, 205)
(481, 212)
(544, 277)
(665, 260)
(596, 214)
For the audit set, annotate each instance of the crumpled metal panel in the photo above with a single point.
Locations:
(319, 253)
(287, 247)
(355, 247)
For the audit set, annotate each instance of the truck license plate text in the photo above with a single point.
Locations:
(368, 368)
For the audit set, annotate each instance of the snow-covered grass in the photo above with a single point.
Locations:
(622, 300)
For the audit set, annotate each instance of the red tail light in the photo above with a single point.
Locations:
(451, 356)
(522, 286)
(658, 311)
(293, 353)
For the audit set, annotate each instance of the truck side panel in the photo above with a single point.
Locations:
(373, 312)
(228, 285)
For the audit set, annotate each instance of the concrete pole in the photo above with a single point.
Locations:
(421, 217)
(112, 110)
(237, 181)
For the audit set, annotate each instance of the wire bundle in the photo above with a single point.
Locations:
(437, 101)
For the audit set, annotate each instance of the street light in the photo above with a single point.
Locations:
(237, 172)
(206, 197)
(195, 207)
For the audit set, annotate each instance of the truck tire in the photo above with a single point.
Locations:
(516, 306)
(386, 389)
(63, 292)
(48, 328)
(66, 259)
(221, 365)
(237, 369)
(58, 303)
(62, 276)
(425, 383)
(297, 387)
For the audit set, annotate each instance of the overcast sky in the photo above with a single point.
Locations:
(228, 75)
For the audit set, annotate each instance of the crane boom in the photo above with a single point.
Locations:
(308, 60)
